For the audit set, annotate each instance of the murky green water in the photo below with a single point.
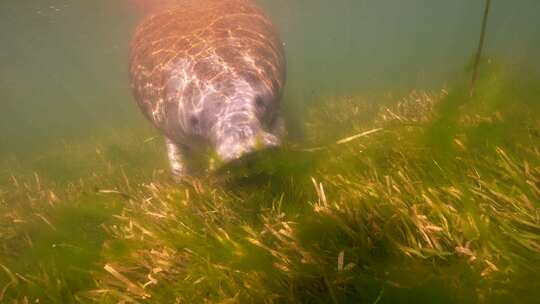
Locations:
(67, 113)
(63, 64)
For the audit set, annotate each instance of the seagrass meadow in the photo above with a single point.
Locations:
(429, 196)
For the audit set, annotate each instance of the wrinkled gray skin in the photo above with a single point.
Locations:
(209, 73)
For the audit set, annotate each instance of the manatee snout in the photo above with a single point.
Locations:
(241, 128)
(242, 140)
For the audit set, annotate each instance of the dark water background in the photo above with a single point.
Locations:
(63, 63)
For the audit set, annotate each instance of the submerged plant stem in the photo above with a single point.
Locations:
(480, 46)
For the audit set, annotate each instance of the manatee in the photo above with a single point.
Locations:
(209, 73)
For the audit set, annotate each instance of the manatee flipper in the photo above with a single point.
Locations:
(176, 156)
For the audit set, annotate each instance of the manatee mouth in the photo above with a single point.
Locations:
(242, 143)
(257, 162)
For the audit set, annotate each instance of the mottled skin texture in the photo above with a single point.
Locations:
(210, 72)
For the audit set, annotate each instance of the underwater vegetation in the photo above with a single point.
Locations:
(430, 197)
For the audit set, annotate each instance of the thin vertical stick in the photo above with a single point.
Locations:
(480, 46)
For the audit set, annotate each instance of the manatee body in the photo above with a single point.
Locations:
(210, 72)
